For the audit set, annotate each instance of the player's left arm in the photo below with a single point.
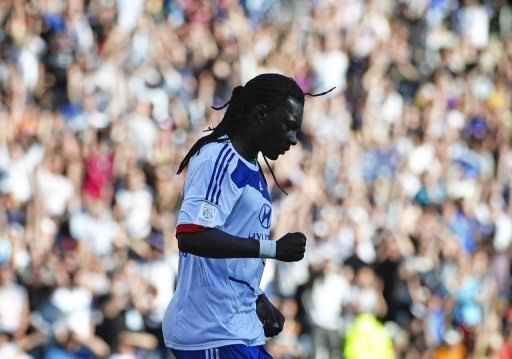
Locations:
(271, 318)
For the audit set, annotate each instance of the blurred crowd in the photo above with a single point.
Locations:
(401, 181)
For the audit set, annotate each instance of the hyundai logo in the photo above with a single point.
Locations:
(265, 215)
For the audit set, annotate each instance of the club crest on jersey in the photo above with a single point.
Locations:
(265, 216)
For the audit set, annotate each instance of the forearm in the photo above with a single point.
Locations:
(214, 243)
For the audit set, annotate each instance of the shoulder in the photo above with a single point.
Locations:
(209, 151)
(212, 155)
(243, 173)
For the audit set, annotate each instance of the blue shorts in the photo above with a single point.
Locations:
(235, 351)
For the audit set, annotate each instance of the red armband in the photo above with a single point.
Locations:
(189, 228)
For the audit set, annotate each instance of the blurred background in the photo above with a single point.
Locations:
(401, 180)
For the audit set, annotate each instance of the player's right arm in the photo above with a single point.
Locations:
(208, 199)
(214, 243)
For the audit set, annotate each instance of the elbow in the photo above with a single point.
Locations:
(192, 242)
(183, 243)
(187, 242)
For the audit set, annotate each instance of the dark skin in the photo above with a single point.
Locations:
(271, 132)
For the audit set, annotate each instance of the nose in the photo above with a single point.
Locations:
(292, 138)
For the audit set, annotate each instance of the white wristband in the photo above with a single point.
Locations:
(267, 248)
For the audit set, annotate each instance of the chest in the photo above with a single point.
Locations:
(254, 207)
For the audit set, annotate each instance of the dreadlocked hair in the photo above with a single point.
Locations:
(268, 89)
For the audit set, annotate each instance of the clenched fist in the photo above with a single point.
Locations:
(271, 318)
(291, 247)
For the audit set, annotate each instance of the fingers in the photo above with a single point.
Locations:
(272, 327)
(281, 319)
(300, 235)
(299, 247)
(291, 247)
(273, 322)
(276, 327)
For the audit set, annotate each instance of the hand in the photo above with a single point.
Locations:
(291, 247)
(270, 316)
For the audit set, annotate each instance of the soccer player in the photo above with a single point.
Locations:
(223, 228)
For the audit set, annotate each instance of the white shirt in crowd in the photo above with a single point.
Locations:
(12, 299)
(325, 300)
(55, 190)
(136, 207)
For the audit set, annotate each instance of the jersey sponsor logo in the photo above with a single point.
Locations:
(207, 214)
(258, 236)
(265, 216)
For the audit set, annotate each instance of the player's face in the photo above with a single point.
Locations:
(280, 129)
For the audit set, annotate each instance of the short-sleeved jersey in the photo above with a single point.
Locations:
(215, 300)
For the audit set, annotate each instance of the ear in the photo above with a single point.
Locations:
(261, 113)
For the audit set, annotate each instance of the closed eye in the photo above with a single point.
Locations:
(292, 126)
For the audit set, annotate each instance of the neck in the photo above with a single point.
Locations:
(245, 146)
